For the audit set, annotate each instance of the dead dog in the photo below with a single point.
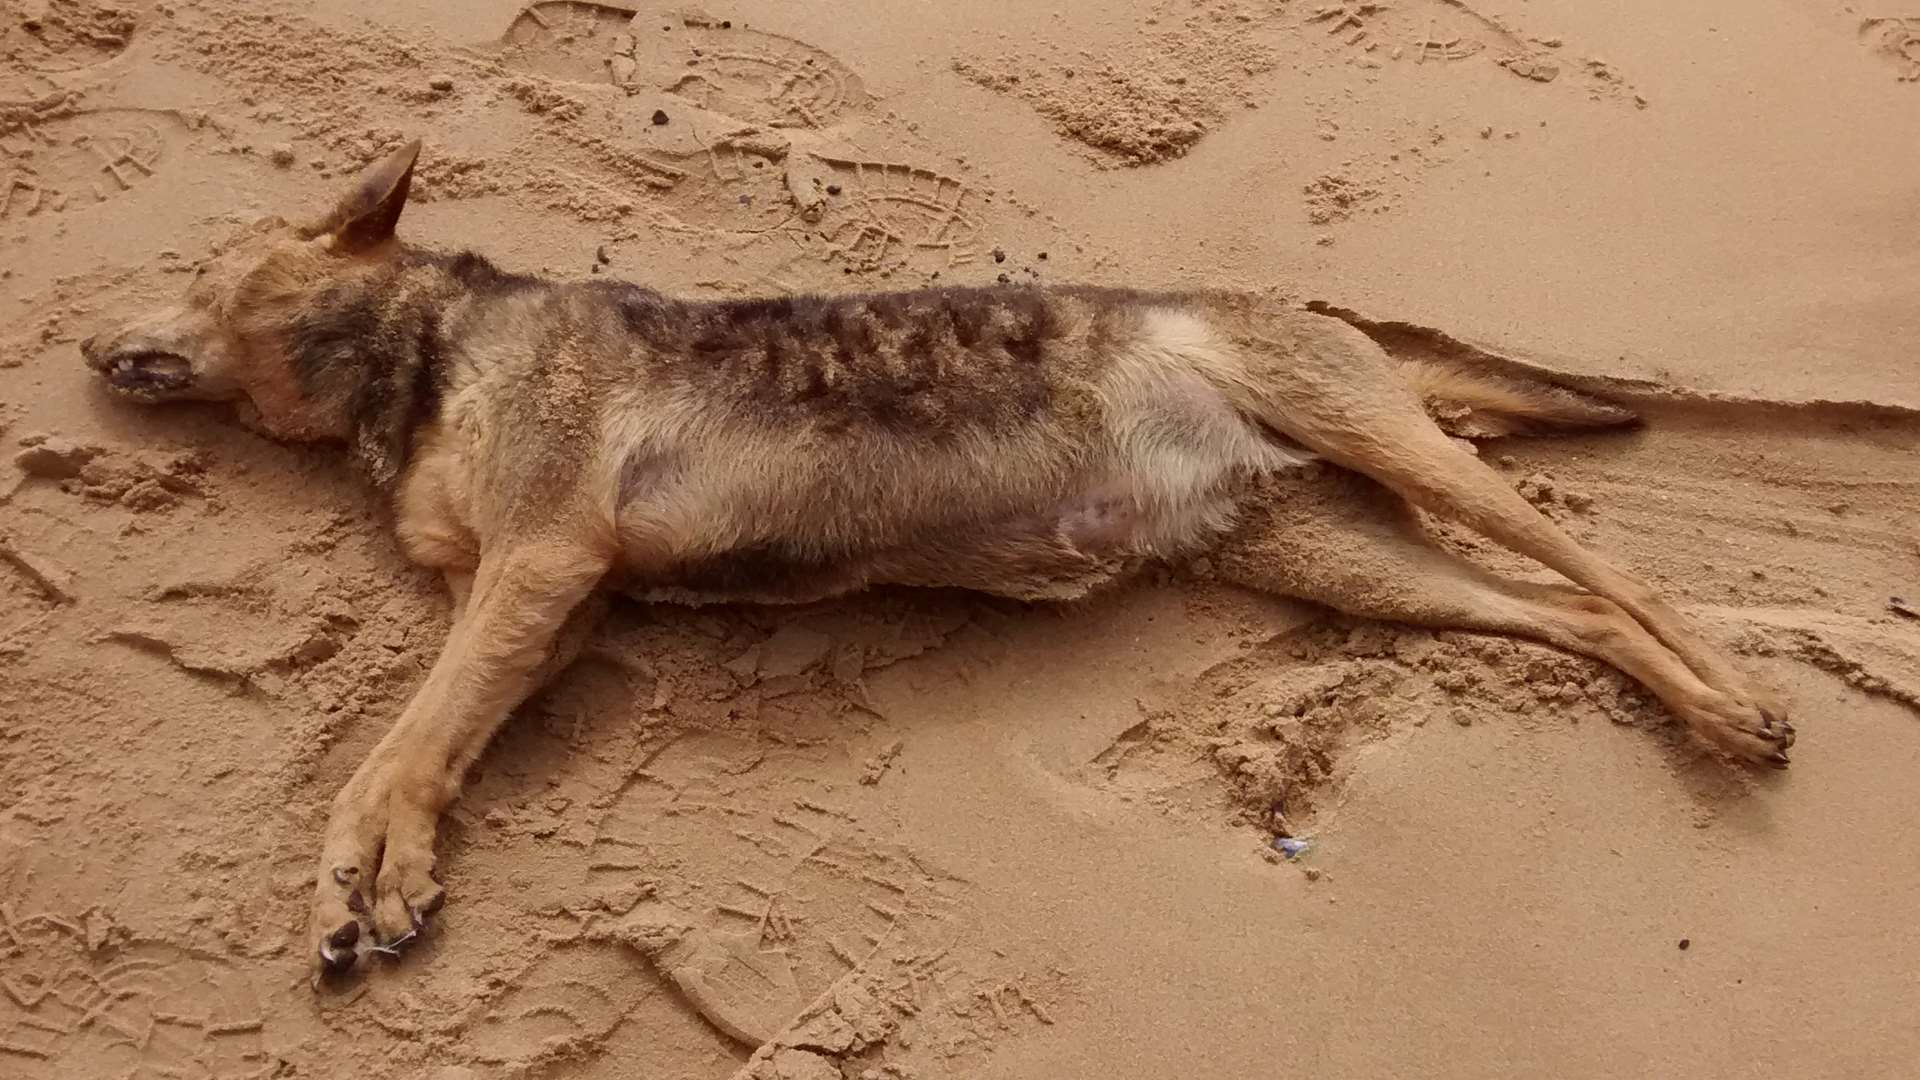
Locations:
(544, 442)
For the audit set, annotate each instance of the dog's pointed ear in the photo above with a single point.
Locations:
(366, 217)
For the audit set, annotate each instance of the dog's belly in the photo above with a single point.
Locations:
(1084, 542)
(760, 578)
(746, 576)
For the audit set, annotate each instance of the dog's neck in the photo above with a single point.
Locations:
(369, 355)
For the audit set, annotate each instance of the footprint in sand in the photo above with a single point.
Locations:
(757, 76)
(564, 1006)
(864, 216)
(43, 40)
(82, 159)
(887, 216)
(1898, 39)
(73, 1004)
(752, 75)
(762, 892)
(569, 40)
(1443, 32)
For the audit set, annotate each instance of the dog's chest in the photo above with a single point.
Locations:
(433, 507)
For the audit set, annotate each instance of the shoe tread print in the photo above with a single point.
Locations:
(76, 1002)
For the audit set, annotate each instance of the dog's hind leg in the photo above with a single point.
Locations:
(1318, 380)
(525, 613)
(1344, 541)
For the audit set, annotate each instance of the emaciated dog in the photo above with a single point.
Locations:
(544, 442)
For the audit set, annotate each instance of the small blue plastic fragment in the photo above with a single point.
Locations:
(1291, 847)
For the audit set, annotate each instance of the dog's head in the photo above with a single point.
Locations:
(233, 336)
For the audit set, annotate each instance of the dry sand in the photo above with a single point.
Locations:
(916, 835)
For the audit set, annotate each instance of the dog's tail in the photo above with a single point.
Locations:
(1477, 405)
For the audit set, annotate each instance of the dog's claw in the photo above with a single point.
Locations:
(346, 937)
(1745, 728)
(426, 908)
(337, 952)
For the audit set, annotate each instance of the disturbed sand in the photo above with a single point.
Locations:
(919, 835)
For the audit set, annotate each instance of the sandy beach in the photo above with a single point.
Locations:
(912, 835)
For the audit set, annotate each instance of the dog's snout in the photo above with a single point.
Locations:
(90, 349)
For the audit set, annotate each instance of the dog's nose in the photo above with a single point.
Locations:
(90, 349)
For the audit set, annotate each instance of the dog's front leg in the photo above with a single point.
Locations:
(459, 587)
(377, 863)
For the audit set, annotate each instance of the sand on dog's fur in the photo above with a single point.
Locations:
(928, 835)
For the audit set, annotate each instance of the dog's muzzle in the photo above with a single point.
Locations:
(141, 372)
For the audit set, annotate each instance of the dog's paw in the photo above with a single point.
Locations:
(1753, 727)
(375, 890)
(405, 896)
(339, 919)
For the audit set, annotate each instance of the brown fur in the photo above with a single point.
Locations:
(543, 440)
